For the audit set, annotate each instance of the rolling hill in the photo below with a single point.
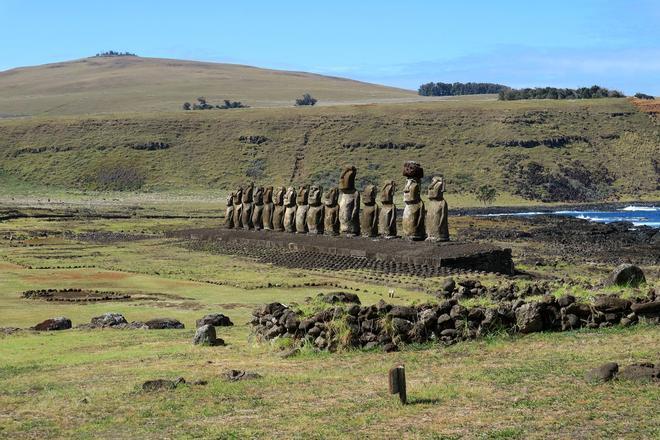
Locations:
(137, 84)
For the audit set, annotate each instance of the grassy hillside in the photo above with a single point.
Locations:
(537, 150)
(120, 84)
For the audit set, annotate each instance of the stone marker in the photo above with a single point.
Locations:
(387, 214)
(238, 208)
(258, 209)
(267, 217)
(331, 212)
(349, 203)
(437, 225)
(397, 381)
(369, 212)
(414, 211)
(301, 210)
(205, 335)
(627, 275)
(229, 212)
(315, 212)
(290, 210)
(248, 206)
(278, 209)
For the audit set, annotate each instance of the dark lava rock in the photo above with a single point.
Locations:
(108, 320)
(529, 318)
(162, 384)
(611, 304)
(641, 372)
(235, 375)
(59, 323)
(403, 312)
(646, 309)
(216, 320)
(341, 297)
(390, 347)
(565, 300)
(290, 353)
(448, 285)
(205, 335)
(627, 275)
(164, 323)
(401, 326)
(603, 373)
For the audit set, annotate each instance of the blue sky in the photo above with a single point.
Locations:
(613, 43)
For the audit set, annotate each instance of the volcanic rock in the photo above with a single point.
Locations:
(59, 323)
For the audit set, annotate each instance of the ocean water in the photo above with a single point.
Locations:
(637, 215)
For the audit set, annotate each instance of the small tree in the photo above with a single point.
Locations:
(186, 106)
(306, 99)
(486, 194)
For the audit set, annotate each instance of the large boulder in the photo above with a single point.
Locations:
(341, 297)
(108, 320)
(627, 275)
(647, 309)
(59, 323)
(603, 373)
(640, 372)
(164, 323)
(529, 317)
(215, 319)
(611, 304)
(205, 335)
(404, 312)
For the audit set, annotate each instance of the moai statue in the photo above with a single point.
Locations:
(387, 215)
(437, 211)
(413, 212)
(238, 208)
(278, 209)
(301, 210)
(369, 212)
(248, 206)
(290, 210)
(229, 212)
(267, 217)
(315, 211)
(349, 203)
(258, 209)
(331, 212)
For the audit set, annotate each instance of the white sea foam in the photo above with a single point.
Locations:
(641, 208)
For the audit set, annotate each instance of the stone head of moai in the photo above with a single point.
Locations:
(238, 196)
(387, 193)
(347, 178)
(411, 192)
(315, 192)
(248, 193)
(330, 197)
(369, 195)
(278, 195)
(290, 197)
(268, 194)
(436, 188)
(230, 199)
(302, 195)
(258, 195)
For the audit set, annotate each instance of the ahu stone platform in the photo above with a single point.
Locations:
(339, 253)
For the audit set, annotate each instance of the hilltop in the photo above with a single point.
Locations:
(137, 84)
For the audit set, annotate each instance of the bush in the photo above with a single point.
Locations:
(457, 88)
(486, 194)
(306, 99)
(555, 93)
(113, 53)
(643, 96)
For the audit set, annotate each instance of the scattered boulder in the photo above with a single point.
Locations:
(603, 373)
(235, 375)
(216, 320)
(341, 297)
(627, 275)
(162, 384)
(8, 330)
(640, 372)
(448, 285)
(646, 309)
(529, 318)
(108, 320)
(611, 304)
(164, 323)
(205, 335)
(59, 323)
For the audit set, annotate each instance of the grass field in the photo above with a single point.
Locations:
(86, 383)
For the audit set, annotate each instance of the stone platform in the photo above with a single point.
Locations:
(330, 252)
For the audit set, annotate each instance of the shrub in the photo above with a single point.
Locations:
(306, 99)
(643, 96)
(486, 194)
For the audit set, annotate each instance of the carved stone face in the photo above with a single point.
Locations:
(369, 195)
(387, 193)
(268, 194)
(238, 196)
(315, 195)
(411, 192)
(436, 188)
(290, 197)
(230, 199)
(278, 198)
(301, 195)
(247, 193)
(347, 179)
(330, 197)
(259, 195)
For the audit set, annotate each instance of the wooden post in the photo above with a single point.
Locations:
(398, 382)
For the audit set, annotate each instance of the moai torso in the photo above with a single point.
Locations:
(437, 225)
(238, 209)
(278, 209)
(229, 212)
(387, 215)
(369, 212)
(248, 205)
(315, 211)
(301, 209)
(268, 208)
(330, 212)
(258, 209)
(413, 212)
(290, 210)
(349, 203)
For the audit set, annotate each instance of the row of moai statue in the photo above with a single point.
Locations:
(343, 210)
